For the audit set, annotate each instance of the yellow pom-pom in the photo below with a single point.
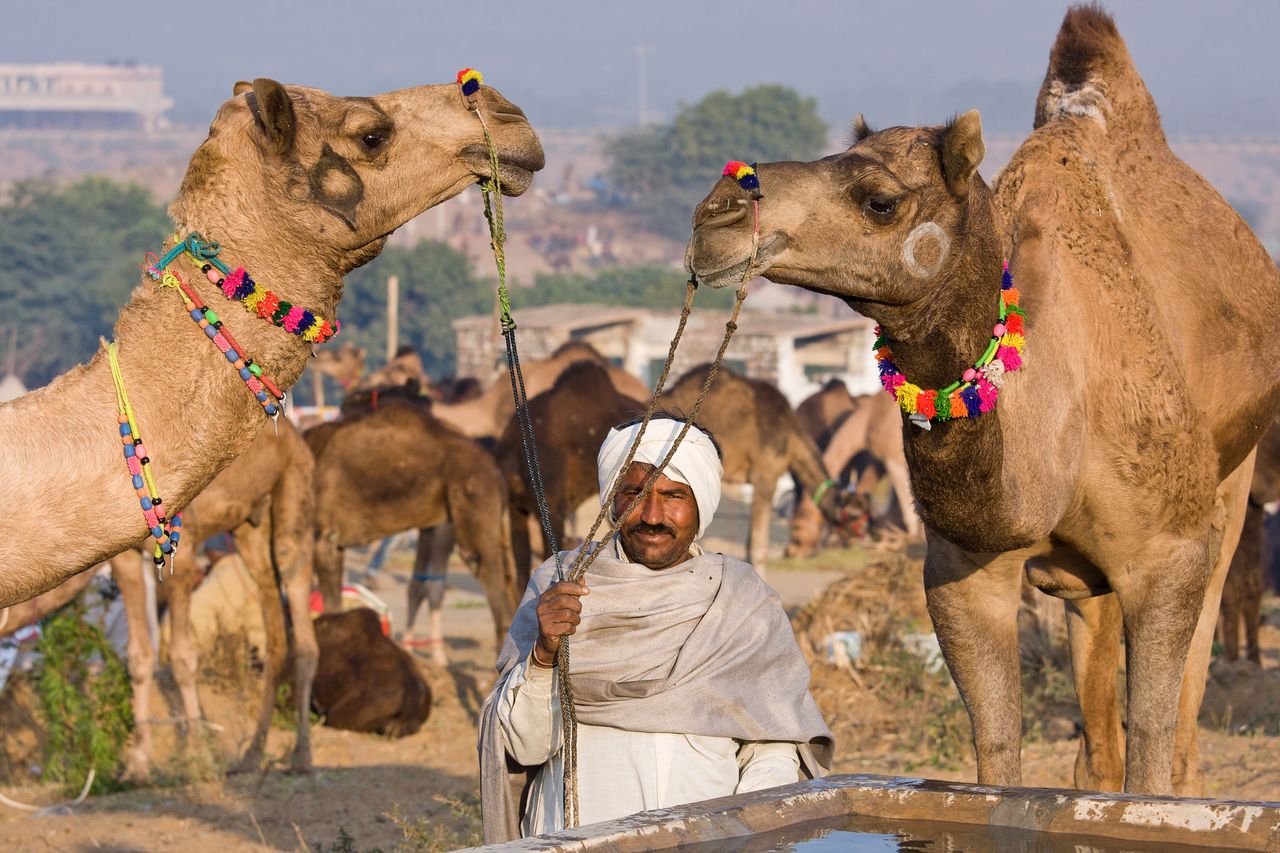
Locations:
(251, 301)
(907, 394)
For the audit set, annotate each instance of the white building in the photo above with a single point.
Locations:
(797, 352)
(78, 96)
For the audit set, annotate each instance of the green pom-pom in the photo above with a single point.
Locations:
(943, 406)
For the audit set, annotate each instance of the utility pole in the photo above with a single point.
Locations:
(642, 101)
(393, 316)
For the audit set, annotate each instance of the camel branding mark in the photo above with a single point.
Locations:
(921, 232)
(336, 186)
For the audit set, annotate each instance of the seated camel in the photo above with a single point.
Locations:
(365, 682)
(1113, 469)
(762, 440)
(396, 467)
(298, 186)
(1246, 583)
(570, 421)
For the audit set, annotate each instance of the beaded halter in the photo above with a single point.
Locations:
(977, 390)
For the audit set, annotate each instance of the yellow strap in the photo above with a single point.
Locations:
(122, 400)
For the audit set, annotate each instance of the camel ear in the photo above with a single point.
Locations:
(240, 88)
(861, 130)
(962, 151)
(273, 110)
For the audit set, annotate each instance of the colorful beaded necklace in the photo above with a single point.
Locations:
(266, 392)
(165, 531)
(977, 390)
(238, 285)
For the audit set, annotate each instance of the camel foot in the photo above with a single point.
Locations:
(250, 762)
(301, 765)
(137, 768)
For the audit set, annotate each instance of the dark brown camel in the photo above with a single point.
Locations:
(395, 468)
(1245, 584)
(1115, 469)
(570, 422)
(762, 440)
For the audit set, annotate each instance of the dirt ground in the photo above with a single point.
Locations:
(418, 793)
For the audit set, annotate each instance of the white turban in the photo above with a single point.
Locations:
(696, 463)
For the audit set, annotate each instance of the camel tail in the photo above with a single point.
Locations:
(1092, 76)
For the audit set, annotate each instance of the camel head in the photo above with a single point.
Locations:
(345, 362)
(880, 225)
(337, 175)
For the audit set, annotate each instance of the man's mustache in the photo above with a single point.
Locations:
(643, 527)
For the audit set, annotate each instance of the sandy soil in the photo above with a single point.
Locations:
(418, 793)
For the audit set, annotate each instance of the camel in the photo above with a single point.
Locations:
(487, 415)
(345, 363)
(570, 422)
(762, 439)
(821, 412)
(298, 186)
(872, 429)
(397, 467)
(1113, 471)
(1245, 584)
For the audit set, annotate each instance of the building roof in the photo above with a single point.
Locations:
(568, 316)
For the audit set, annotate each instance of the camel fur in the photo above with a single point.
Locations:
(298, 186)
(1114, 471)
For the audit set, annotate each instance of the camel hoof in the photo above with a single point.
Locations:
(247, 764)
(301, 766)
(137, 770)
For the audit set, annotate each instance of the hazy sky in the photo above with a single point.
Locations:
(1212, 66)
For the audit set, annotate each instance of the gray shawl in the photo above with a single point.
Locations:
(701, 648)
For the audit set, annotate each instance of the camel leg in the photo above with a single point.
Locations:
(128, 571)
(254, 544)
(758, 533)
(430, 566)
(1187, 777)
(183, 657)
(293, 548)
(973, 601)
(901, 480)
(1094, 627)
(1251, 611)
(521, 541)
(328, 567)
(1229, 630)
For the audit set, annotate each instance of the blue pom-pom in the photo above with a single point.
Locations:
(1006, 280)
(750, 182)
(972, 401)
(470, 87)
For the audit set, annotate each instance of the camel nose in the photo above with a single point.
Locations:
(721, 208)
(501, 109)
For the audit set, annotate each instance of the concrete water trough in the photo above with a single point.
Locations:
(921, 814)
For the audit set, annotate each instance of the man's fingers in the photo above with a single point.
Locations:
(566, 588)
(560, 602)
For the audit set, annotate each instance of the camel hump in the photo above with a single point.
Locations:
(1091, 75)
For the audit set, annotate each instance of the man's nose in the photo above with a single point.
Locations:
(651, 511)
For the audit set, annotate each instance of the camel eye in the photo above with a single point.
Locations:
(882, 206)
(374, 139)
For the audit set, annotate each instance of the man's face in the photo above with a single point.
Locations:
(659, 531)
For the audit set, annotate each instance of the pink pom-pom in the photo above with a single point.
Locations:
(232, 283)
(892, 381)
(970, 375)
(293, 318)
(987, 394)
(1010, 356)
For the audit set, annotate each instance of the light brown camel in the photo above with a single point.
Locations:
(872, 428)
(487, 415)
(1114, 470)
(1245, 584)
(266, 497)
(762, 439)
(300, 187)
(570, 421)
(344, 363)
(822, 411)
(396, 468)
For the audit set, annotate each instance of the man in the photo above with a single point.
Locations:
(687, 680)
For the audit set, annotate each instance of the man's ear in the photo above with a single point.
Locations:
(273, 112)
(962, 151)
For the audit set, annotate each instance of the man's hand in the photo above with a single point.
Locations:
(559, 612)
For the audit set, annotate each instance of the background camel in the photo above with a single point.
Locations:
(487, 415)
(822, 411)
(1115, 469)
(570, 421)
(284, 167)
(343, 363)
(265, 497)
(863, 448)
(395, 468)
(762, 440)
(1245, 584)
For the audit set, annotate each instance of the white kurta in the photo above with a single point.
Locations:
(622, 772)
